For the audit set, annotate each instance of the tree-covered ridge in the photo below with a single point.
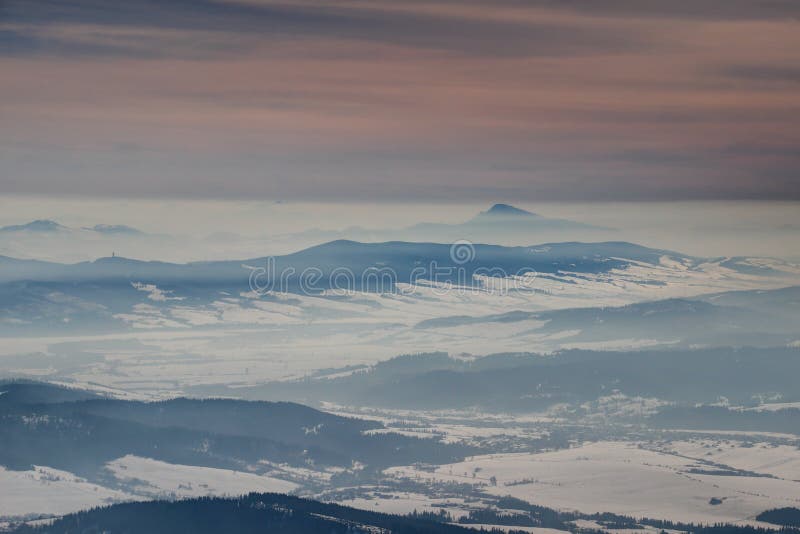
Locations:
(43, 424)
(250, 514)
(788, 517)
(520, 382)
(258, 513)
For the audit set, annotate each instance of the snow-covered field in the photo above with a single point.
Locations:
(47, 492)
(154, 479)
(661, 479)
(406, 503)
(505, 528)
(238, 339)
(43, 490)
(620, 477)
(761, 457)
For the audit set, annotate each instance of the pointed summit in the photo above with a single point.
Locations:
(506, 210)
(508, 219)
(504, 213)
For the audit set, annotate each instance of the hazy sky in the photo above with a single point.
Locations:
(413, 100)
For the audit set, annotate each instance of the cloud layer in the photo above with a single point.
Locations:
(536, 100)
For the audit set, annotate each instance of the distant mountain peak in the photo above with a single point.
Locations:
(505, 213)
(114, 229)
(507, 210)
(508, 218)
(114, 259)
(39, 225)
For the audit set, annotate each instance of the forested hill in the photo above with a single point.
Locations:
(78, 431)
(250, 514)
(264, 513)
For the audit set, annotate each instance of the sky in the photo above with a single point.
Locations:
(416, 100)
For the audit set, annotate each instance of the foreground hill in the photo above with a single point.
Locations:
(272, 512)
(75, 431)
(254, 513)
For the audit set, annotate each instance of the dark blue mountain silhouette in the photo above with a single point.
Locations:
(401, 257)
(40, 225)
(505, 210)
(114, 229)
(503, 221)
(80, 431)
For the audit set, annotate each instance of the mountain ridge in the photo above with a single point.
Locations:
(38, 225)
(402, 256)
(49, 226)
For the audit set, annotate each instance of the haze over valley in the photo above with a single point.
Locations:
(449, 377)
(429, 267)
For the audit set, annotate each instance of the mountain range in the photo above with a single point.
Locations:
(401, 257)
(501, 223)
(529, 382)
(46, 226)
(107, 293)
